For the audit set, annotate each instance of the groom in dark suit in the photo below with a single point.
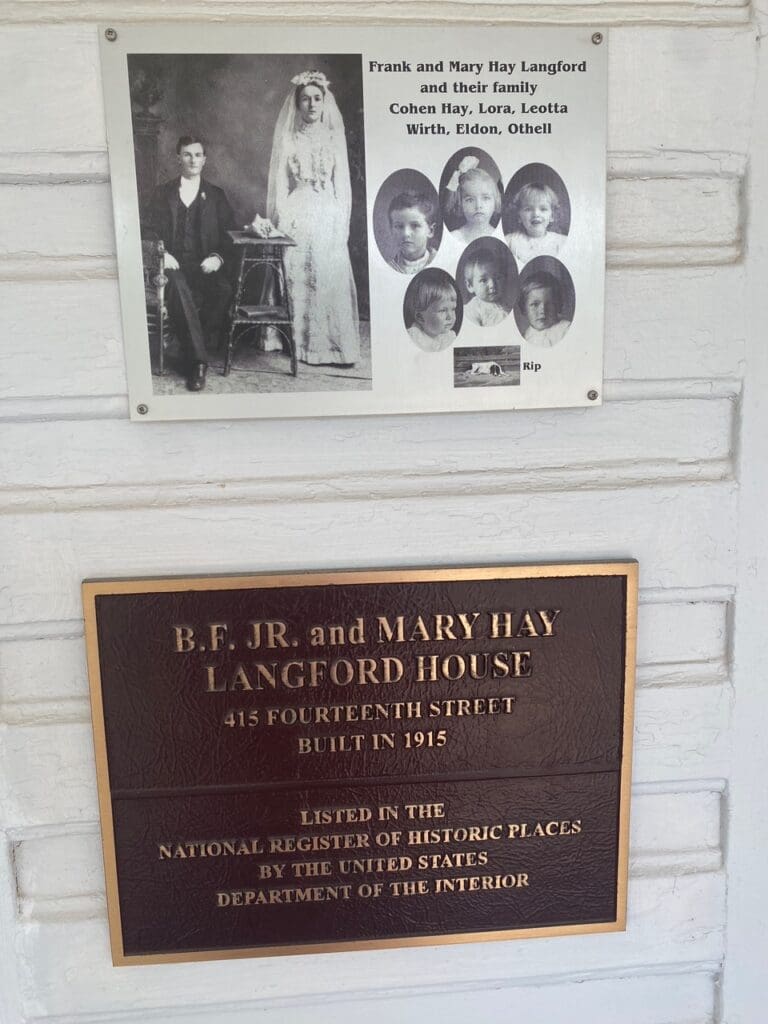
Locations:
(192, 218)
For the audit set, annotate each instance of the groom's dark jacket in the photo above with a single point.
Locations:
(216, 218)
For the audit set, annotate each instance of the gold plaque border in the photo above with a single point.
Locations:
(91, 589)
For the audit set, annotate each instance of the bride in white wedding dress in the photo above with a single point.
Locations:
(309, 198)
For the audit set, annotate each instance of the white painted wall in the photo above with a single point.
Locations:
(665, 472)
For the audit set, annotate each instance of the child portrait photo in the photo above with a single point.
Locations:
(407, 222)
(537, 213)
(547, 302)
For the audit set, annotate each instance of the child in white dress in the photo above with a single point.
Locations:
(474, 196)
(433, 305)
(540, 303)
(536, 207)
(484, 281)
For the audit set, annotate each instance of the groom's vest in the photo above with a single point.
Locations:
(187, 245)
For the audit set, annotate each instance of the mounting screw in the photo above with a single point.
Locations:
(110, 35)
(597, 38)
(142, 409)
(591, 395)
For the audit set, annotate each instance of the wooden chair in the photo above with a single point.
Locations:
(152, 253)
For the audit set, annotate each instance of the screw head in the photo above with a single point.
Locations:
(592, 395)
(597, 38)
(142, 409)
(111, 35)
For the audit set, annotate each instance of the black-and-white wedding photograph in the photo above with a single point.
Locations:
(250, 172)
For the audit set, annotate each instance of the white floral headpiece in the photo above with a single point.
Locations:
(310, 78)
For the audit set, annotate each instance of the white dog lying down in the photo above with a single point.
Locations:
(493, 368)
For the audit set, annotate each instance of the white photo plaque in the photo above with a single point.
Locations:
(347, 221)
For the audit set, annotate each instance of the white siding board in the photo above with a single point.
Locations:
(59, 867)
(673, 212)
(680, 535)
(51, 168)
(676, 832)
(56, 222)
(672, 921)
(35, 672)
(75, 347)
(681, 632)
(69, 116)
(598, 11)
(590, 13)
(667, 86)
(531, 448)
(681, 733)
(49, 775)
(674, 323)
(648, 998)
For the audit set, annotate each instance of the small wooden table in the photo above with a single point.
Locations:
(261, 252)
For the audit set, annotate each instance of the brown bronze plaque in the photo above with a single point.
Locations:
(332, 761)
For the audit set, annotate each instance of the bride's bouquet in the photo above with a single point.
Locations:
(262, 227)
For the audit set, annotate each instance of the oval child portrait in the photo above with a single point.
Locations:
(546, 303)
(488, 281)
(432, 310)
(537, 213)
(407, 222)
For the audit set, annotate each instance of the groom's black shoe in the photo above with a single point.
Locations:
(196, 379)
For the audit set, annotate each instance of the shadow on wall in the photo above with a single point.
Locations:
(233, 101)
